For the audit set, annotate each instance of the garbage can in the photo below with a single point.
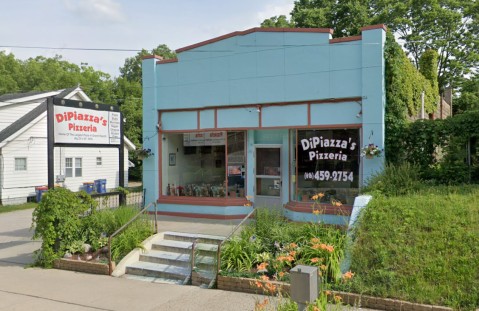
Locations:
(40, 191)
(100, 185)
(88, 186)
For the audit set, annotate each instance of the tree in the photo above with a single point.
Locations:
(131, 70)
(345, 17)
(277, 22)
(448, 26)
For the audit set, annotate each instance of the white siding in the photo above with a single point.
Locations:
(33, 145)
(13, 112)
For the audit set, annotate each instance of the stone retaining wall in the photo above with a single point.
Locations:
(248, 286)
(81, 266)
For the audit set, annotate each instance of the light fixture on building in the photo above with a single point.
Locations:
(359, 114)
(259, 109)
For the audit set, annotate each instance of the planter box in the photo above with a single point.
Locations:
(248, 286)
(82, 266)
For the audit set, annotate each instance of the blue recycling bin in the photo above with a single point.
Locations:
(88, 186)
(100, 185)
(40, 192)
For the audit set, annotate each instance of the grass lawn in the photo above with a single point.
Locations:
(421, 247)
(12, 208)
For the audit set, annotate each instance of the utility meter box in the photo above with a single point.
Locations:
(304, 284)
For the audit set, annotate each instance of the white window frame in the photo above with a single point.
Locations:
(99, 161)
(73, 167)
(15, 164)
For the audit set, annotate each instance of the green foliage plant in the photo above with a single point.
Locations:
(395, 180)
(56, 222)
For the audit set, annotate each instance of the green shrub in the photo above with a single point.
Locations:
(421, 248)
(56, 221)
(131, 237)
(394, 180)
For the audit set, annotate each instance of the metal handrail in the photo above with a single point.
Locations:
(123, 227)
(193, 258)
(218, 259)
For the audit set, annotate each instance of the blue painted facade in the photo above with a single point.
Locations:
(296, 79)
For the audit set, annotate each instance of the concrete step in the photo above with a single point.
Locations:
(185, 247)
(143, 268)
(151, 279)
(177, 259)
(191, 237)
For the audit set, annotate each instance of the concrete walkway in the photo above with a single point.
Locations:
(40, 289)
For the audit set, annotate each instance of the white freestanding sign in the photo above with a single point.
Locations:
(86, 126)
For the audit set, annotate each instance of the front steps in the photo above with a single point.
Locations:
(169, 260)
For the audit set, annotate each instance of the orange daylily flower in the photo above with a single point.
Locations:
(262, 266)
(330, 248)
(281, 274)
(320, 195)
(328, 292)
(323, 267)
(348, 275)
(315, 240)
(316, 259)
(270, 287)
(247, 204)
(293, 253)
(258, 284)
(293, 245)
(336, 203)
(316, 212)
(319, 272)
(316, 309)
(264, 278)
(338, 298)
(249, 197)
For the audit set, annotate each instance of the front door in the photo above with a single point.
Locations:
(268, 172)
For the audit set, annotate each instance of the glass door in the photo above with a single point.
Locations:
(268, 172)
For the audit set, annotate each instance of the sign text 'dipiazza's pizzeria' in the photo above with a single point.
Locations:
(86, 126)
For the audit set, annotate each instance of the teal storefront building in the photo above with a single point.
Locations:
(275, 114)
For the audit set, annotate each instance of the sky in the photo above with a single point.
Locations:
(123, 24)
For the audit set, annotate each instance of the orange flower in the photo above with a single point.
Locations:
(336, 203)
(348, 275)
(338, 298)
(316, 212)
(293, 253)
(264, 278)
(319, 272)
(316, 309)
(258, 284)
(270, 287)
(323, 267)
(247, 204)
(330, 248)
(314, 197)
(262, 266)
(293, 245)
(320, 195)
(249, 197)
(281, 274)
(316, 259)
(328, 292)
(314, 240)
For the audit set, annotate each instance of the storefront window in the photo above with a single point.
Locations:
(194, 164)
(328, 163)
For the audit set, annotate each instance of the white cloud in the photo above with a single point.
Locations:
(101, 10)
(275, 10)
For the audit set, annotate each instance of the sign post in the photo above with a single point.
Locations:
(73, 123)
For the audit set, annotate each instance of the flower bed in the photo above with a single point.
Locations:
(82, 266)
(252, 286)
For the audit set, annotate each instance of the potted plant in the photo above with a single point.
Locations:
(305, 197)
(371, 151)
(300, 195)
(143, 153)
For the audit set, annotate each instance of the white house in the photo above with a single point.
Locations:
(23, 150)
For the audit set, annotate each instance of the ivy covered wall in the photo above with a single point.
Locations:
(404, 87)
